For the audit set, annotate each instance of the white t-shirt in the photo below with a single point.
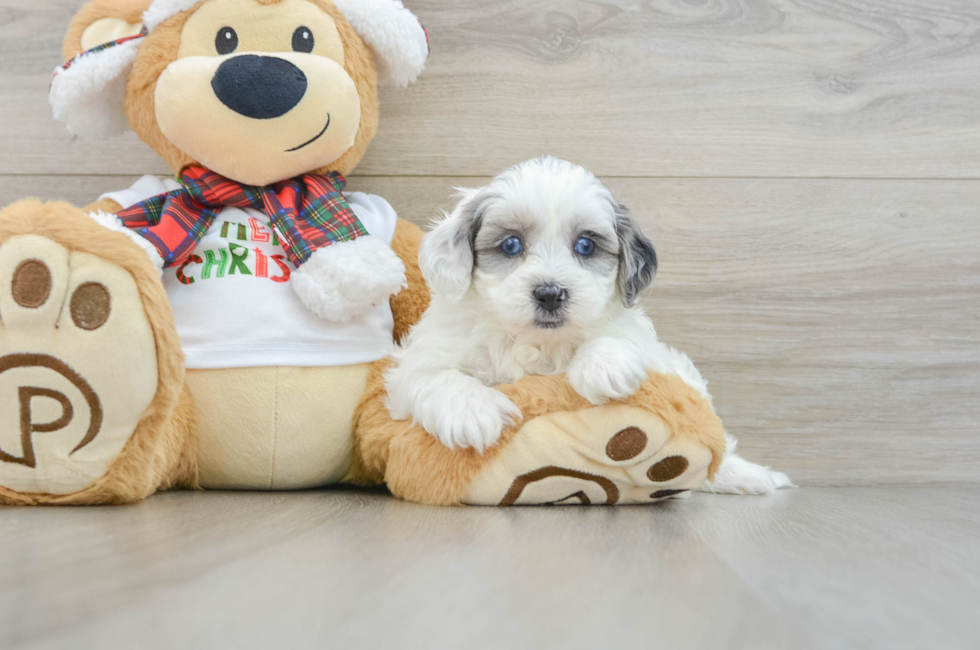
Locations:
(233, 303)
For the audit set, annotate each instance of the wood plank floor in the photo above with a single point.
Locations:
(886, 567)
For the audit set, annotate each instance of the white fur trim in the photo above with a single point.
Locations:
(88, 97)
(345, 280)
(162, 10)
(393, 33)
(113, 223)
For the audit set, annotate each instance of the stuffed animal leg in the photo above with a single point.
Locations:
(94, 403)
(663, 441)
(92, 393)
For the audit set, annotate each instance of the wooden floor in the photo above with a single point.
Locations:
(810, 173)
(886, 567)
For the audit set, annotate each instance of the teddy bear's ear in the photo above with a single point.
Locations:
(108, 30)
(395, 36)
(87, 92)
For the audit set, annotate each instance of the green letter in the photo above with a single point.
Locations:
(210, 261)
(238, 256)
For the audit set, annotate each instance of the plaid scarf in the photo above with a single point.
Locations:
(307, 212)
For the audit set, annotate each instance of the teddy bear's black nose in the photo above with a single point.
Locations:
(260, 87)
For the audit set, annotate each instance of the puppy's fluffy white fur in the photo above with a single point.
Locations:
(491, 321)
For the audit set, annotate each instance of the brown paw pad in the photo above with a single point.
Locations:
(31, 284)
(27, 394)
(91, 305)
(521, 483)
(667, 469)
(663, 494)
(628, 443)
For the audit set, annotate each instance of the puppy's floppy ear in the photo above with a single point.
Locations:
(637, 257)
(446, 256)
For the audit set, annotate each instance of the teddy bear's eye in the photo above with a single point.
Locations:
(303, 40)
(226, 41)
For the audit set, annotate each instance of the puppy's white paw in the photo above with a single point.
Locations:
(467, 414)
(606, 369)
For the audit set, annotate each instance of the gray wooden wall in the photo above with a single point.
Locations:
(809, 170)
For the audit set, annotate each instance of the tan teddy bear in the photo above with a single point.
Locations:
(229, 329)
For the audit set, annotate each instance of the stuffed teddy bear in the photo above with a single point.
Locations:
(230, 328)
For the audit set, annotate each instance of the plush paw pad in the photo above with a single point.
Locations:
(608, 455)
(77, 365)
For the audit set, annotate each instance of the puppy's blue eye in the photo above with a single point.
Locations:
(584, 246)
(512, 246)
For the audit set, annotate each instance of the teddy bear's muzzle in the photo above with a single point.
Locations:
(259, 87)
(258, 118)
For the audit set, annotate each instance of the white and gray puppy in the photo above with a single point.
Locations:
(538, 272)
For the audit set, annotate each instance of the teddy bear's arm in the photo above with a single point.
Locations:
(103, 211)
(410, 303)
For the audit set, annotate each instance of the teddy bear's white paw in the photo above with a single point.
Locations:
(462, 412)
(345, 280)
(606, 369)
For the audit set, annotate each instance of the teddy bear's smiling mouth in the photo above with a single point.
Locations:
(314, 139)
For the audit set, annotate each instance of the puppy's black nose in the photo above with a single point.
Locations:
(260, 87)
(550, 297)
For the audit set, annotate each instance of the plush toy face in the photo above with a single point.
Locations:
(258, 92)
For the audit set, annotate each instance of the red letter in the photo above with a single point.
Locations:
(261, 263)
(258, 232)
(180, 271)
(282, 265)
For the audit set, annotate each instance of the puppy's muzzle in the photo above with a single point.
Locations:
(260, 87)
(550, 297)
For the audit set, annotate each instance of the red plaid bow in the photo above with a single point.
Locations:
(308, 212)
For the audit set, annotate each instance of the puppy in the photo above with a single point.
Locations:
(536, 273)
